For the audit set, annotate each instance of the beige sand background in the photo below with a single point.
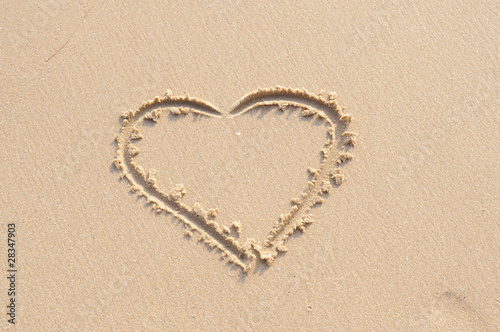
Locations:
(409, 242)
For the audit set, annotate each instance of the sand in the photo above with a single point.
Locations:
(253, 166)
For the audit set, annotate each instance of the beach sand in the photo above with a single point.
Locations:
(253, 166)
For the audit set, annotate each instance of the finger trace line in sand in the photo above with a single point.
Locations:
(198, 220)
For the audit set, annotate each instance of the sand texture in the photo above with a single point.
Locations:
(250, 165)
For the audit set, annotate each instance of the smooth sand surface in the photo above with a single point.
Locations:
(403, 237)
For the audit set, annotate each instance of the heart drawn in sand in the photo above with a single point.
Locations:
(198, 220)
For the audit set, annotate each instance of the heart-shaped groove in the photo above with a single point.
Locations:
(198, 220)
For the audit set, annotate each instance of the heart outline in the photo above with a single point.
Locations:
(195, 218)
